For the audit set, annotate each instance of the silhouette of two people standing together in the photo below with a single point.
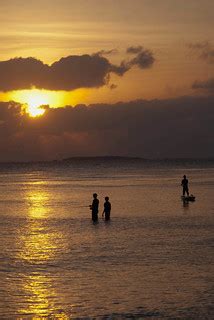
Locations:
(95, 208)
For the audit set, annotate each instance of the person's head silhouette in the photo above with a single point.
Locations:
(95, 195)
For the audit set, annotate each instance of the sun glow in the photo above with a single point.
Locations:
(34, 103)
(34, 99)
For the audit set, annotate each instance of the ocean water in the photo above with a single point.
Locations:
(153, 260)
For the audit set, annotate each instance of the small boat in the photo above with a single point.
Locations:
(188, 198)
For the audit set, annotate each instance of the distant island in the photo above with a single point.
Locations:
(116, 159)
(104, 158)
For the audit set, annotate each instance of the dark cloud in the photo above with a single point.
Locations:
(66, 74)
(204, 49)
(113, 86)
(134, 50)
(107, 52)
(181, 127)
(143, 60)
(21, 73)
(79, 72)
(206, 85)
(69, 73)
(121, 69)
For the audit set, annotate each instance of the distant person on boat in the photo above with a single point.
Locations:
(107, 209)
(94, 207)
(184, 184)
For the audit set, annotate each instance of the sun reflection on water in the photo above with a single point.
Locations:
(38, 200)
(39, 246)
(38, 243)
(40, 295)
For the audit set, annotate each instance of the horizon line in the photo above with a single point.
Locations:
(112, 157)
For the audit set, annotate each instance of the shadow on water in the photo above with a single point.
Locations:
(185, 204)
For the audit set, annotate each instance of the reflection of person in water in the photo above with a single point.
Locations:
(185, 204)
(107, 208)
(184, 183)
(94, 207)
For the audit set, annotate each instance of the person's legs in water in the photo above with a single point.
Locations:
(185, 190)
(94, 216)
(107, 216)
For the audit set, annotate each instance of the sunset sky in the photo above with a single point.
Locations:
(123, 61)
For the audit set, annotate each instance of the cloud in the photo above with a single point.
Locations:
(205, 50)
(144, 57)
(121, 69)
(107, 52)
(66, 74)
(113, 86)
(206, 85)
(69, 73)
(143, 60)
(134, 50)
(21, 73)
(181, 127)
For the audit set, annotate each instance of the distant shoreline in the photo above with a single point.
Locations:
(112, 158)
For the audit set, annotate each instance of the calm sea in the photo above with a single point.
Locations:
(153, 260)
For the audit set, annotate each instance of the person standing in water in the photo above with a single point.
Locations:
(94, 207)
(184, 183)
(107, 208)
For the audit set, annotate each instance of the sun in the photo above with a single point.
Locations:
(34, 99)
(34, 108)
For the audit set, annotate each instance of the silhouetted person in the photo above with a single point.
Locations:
(107, 209)
(94, 207)
(184, 183)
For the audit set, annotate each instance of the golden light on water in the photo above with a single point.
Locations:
(39, 293)
(38, 245)
(37, 200)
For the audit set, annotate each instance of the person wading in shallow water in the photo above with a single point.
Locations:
(107, 209)
(184, 183)
(94, 207)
